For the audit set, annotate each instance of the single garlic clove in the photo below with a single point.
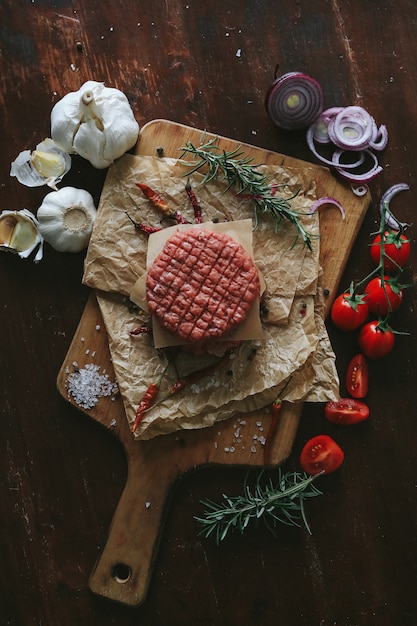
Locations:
(19, 233)
(46, 165)
(66, 218)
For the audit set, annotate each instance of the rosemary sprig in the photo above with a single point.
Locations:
(238, 169)
(281, 502)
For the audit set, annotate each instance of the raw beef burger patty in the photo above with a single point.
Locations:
(201, 285)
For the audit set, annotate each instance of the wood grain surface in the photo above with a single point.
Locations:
(206, 66)
(139, 514)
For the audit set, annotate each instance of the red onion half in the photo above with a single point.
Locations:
(294, 101)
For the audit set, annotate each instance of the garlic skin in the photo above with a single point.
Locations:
(19, 233)
(95, 122)
(66, 219)
(47, 165)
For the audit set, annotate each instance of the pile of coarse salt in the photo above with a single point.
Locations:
(87, 385)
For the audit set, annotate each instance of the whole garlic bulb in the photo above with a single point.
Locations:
(95, 122)
(66, 219)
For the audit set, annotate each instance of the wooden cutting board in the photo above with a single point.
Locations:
(124, 569)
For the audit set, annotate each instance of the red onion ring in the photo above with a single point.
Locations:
(381, 139)
(294, 100)
(327, 200)
(337, 155)
(330, 162)
(359, 190)
(352, 128)
(321, 125)
(364, 177)
(384, 203)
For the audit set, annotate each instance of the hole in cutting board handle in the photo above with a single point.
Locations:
(121, 573)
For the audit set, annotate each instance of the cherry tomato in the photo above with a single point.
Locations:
(346, 411)
(383, 297)
(375, 341)
(348, 313)
(357, 376)
(396, 247)
(321, 454)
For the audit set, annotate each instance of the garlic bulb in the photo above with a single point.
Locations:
(19, 233)
(66, 219)
(95, 122)
(46, 165)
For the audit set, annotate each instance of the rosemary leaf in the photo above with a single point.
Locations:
(281, 502)
(237, 169)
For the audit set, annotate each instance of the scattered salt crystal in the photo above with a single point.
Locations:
(253, 449)
(87, 385)
(147, 504)
(238, 53)
(98, 327)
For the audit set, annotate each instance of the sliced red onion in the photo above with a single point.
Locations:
(381, 139)
(327, 200)
(384, 203)
(359, 190)
(338, 154)
(321, 125)
(294, 100)
(332, 162)
(352, 128)
(364, 177)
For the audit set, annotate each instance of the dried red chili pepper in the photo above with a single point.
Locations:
(144, 227)
(194, 203)
(145, 403)
(161, 204)
(140, 330)
(276, 411)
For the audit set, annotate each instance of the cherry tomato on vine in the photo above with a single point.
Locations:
(396, 249)
(321, 454)
(346, 411)
(348, 312)
(357, 376)
(376, 340)
(383, 297)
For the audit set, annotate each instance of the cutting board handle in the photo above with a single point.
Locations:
(124, 568)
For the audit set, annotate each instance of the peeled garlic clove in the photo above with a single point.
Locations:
(19, 233)
(46, 165)
(95, 122)
(66, 219)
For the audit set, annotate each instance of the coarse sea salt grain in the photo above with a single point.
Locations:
(87, 385)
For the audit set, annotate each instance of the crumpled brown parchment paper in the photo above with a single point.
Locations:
(294, 350)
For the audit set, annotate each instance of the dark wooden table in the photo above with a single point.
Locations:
(208, 65)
